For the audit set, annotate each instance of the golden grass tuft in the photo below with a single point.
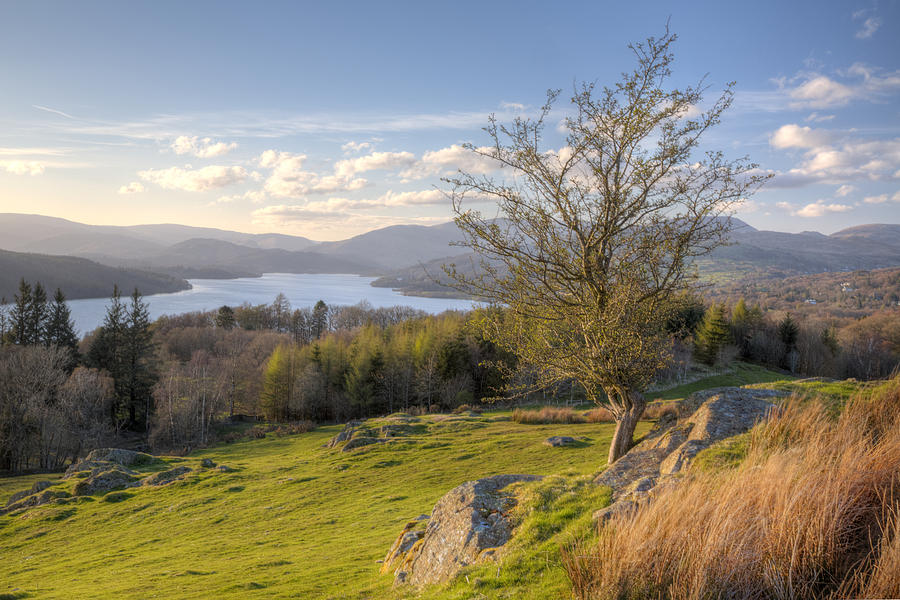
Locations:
(547, 415)
(811, 513)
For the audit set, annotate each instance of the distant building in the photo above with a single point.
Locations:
(810, 301)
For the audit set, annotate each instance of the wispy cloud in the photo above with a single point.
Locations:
(201, 147)
(52, 110)
(870, 23)
(135, 187)
(814, 209)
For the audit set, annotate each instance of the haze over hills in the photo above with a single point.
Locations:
(409, 257)
(752, 253)
(78, 277)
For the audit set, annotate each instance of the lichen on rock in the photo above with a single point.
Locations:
(468, 524)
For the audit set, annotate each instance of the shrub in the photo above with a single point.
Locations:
(547, 415)
(810, 513)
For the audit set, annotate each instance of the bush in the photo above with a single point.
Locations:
(812, 512)
(547, 415)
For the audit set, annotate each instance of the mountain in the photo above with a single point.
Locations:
(30, 233)
(78, 277)
(399, 245)
(752, 253)
(236, 260)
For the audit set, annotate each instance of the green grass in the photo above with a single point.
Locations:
(297, 520)
(739, 374)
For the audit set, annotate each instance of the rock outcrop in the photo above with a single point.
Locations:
(468, 524)
(358, 434)
(670, 447)
(558, 441)
(100, 472)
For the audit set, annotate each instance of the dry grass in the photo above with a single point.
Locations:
(811, 513)
(547, 415)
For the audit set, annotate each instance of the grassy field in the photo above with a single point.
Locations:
(297, 520)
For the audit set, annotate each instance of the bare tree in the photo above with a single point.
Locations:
(590, 241)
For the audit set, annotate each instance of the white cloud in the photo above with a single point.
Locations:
(289, 179)
(447, 161)
(23, 167)
(385, 161)
(844, 190)
(190, 180)
(821, 92)
(201, 148)
(135, 187)
(880, 199)
(794, 136)
(896, 196)
(817, 118)
(814, 209)
(329, 219)
(352, 147)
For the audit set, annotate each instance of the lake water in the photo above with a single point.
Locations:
(301, 291)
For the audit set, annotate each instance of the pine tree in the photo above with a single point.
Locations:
(712, 335)
(37, 316)
(60, 328)
(225, 318)
(139, 366)
(20, 313)
(106, 350)
(319, 319)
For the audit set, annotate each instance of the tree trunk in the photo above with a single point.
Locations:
(626, 422)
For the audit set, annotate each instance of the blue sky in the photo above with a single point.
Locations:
(329, 119)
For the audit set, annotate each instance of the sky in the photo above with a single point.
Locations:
(330, 119)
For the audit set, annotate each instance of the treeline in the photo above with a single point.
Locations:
(865, 348)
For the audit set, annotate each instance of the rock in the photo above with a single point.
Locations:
(39, 486)
(104, 457)
(207, 463)
(359, 442)
(670, 447)
(33, 500)
(226, 469)
(557, 441)
(467, 525)
(345, 434)
(165, 477)
(104, 481)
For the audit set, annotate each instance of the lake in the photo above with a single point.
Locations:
(301, 291)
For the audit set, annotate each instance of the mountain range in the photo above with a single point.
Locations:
(408, 257)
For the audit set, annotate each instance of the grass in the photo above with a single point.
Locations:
(295, 520)
(810, 512)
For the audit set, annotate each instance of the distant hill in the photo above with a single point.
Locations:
(51, 235)
(78, 277)
(205, 255)
(752, 254)
(399, 245)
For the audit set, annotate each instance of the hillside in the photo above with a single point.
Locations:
(753, 255)
(78, 277)
(297, 519)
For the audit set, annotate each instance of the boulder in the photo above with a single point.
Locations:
(34, 500)
(102, 458)
(466, 526)
(557, 441)
(207, 463)
(165, 477)
(670, 447)
(101, 481)
(39, 486)
(345, 434)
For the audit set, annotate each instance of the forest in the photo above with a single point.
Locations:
(173, 383)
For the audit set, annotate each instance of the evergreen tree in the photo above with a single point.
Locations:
(319, 319)
(139, 364)
(106, 350)
(19, 316)
(225, 318)
(788, 330)
(60, 328)
(712, 335)
(4, 322)
(37, 316)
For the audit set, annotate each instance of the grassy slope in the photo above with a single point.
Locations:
(298, 520)
(289, 523)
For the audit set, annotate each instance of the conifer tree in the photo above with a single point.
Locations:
(712, 335)
(139, 365)
(19, 315)
(37, 316)
(60, 329)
